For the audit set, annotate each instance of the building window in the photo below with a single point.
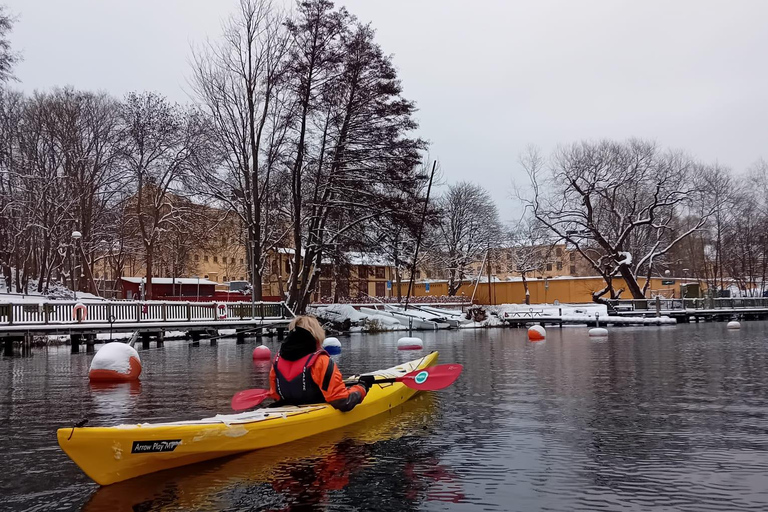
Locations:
(224, 279)
(380, 273)
(559, 251)
(573, 270)
(197, 257)
(206, 276)
(206, 260)
(559, 265)
(287, 265)
(572, 256)
(215, 259)
(242, 261)
(232, 260)
(242, 278)
(549, 266)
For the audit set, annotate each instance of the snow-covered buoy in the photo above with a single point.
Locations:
(536, 333)
(598, 331)
(733, 324)
(332, 346)
(410, 344)
(115, 362)
(262, 353)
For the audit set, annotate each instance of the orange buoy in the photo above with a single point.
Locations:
(536, 333)
(115, 362)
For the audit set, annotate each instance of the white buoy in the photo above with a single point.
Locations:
(733, 324)
(407, 343)
(332, 346)
(115, 362)
(262, 353)
(598, 331)
(536, 333)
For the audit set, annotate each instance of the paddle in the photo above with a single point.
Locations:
(427, 379)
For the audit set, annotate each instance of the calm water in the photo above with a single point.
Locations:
(670, 418)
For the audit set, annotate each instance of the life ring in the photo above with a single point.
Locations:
(79, 312)
(221, 311)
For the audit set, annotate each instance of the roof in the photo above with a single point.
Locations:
(169, 280)
(354, 258)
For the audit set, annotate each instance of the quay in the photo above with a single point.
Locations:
(692, 310)
(83, 321)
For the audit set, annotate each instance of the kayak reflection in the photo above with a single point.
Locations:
(387, 449)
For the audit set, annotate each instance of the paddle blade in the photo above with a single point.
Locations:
(249, 398)
(432, 378)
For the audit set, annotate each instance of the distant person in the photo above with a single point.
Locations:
(304, 373)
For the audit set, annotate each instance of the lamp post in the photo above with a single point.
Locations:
(76, 236)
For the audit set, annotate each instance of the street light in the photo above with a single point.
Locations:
(76, 235)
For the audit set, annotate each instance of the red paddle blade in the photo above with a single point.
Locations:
(432, 378)
(248, 398)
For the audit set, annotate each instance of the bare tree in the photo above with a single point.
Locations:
(239, 82)
(469, 226)
(620, 199)
(163, 143)
(530, 245)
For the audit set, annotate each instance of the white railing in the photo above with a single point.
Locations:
(123, 312)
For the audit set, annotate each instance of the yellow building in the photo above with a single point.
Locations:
(565, 289)
(545, 260)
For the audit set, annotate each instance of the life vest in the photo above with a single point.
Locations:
(294, 382)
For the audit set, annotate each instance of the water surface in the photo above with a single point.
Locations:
(653, 418)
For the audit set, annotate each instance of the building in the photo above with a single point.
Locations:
(164, 287)
(540, 261)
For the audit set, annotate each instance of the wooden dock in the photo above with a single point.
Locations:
(693, 310)
(83, 321)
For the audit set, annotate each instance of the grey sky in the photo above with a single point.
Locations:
(489, 77)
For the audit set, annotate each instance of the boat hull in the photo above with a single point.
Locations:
(113, 454)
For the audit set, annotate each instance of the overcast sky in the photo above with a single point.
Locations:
(489, 77)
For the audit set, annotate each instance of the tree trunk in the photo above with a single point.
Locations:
(631, 281)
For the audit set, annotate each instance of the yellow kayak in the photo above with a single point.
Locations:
(114, 454)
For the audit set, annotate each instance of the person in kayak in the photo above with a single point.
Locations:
(304, 373)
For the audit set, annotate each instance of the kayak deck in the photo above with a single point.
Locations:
(112, 454)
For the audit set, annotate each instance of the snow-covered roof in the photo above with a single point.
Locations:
(169, 280)
(354, 258)
(367, 258)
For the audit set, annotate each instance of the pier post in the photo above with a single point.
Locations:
(658, 306)
(160, 339)
(145, 341)
(8, 346)
(75, 340)
(195, 335)
(90, 341)
(26, 345)
(240, 336)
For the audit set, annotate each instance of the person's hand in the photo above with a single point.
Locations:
(367, 381)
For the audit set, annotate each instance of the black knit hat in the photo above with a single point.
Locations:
(298, 343)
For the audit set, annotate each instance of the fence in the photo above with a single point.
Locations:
(685, 304)
(118, 312)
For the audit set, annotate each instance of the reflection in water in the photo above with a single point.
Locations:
(335, 467)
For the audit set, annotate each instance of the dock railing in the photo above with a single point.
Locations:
(707, 303)
(119, 312)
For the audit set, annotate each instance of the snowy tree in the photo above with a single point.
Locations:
(621, 200)
(353, 158)
(8, 58)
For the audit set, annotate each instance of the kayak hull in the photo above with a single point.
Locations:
(113, 454)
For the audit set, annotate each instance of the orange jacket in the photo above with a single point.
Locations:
(336, 394)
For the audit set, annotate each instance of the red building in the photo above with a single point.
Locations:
(180, 288)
